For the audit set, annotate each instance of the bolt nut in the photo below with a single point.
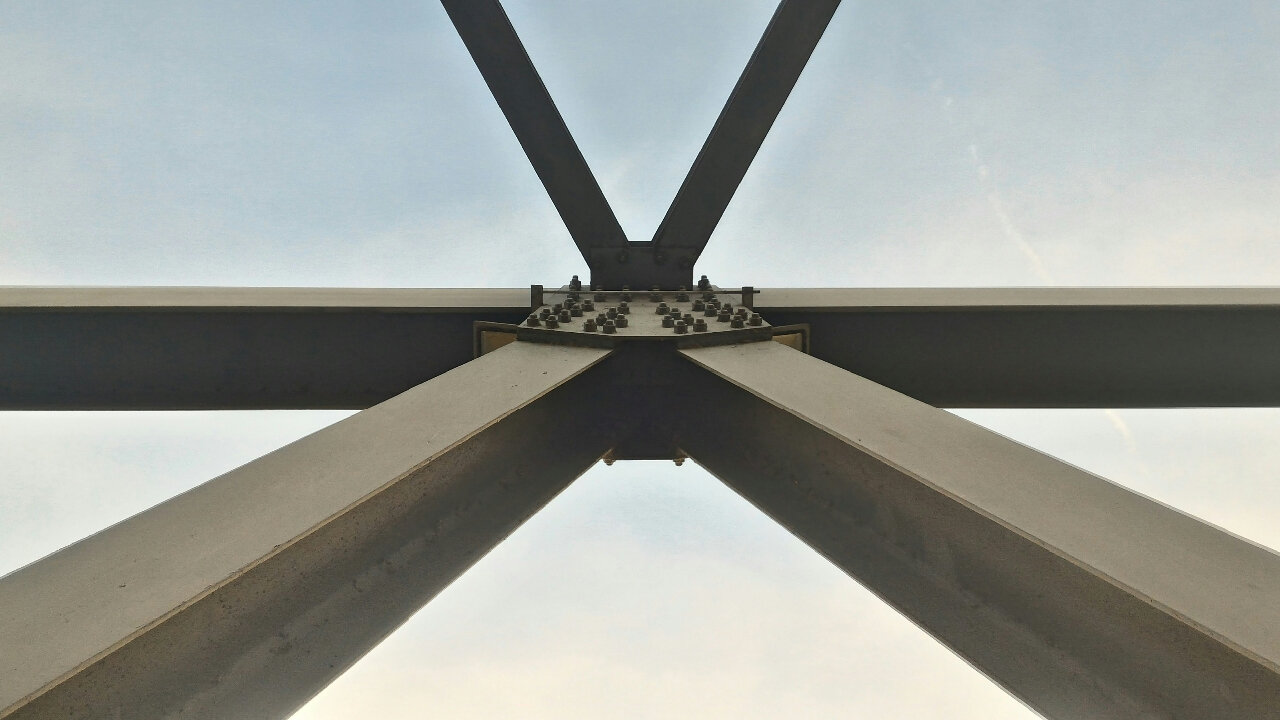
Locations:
(588, 305)
(655, 297)
(681, 328)
(544, 313)
(709, 310)
(755, 319)
(662, 309)
(575, 283)
(575, 311)
(699, 325)
(741, 311)
(589, 325)
(688, 319)
(601, 318)
(564, 316)
(620, 321)
(737, 321)
(609, 327)
(704, 283)
(727, 307)
(723, 316)
(682, 297)
(699, 305)
(623, 308)
(611, 313)
(674, 312)
(557, 308)
(533, 320)
(552, 322)
(668, 321)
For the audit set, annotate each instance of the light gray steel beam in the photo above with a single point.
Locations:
(152, 348)
(1082, 598)
(1048, 347)
(245, 596)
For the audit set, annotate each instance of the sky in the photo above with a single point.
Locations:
(348, 144)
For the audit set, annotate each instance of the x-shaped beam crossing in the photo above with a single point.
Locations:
(245, 596)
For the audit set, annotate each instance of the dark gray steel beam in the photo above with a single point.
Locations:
(1085, 600)
(754, 104)
(533, 116)
(222, 348)
(1048, 347)
(245, 596)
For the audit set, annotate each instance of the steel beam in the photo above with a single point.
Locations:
(1080, 597)
(524, 100)
(754, 104)
(245, 596)
(1048, 347)
(223, 348)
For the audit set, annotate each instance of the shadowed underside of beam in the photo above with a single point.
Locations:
(245, 596)
(256, 348)
(1085, 600)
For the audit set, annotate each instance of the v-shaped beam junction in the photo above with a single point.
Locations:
(667, 261)
(245, 596)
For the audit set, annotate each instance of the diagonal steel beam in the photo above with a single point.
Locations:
(515, 84)
(245, 596)
(754, 104)
(1078, 596)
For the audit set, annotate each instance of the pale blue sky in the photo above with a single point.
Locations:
(345, 143)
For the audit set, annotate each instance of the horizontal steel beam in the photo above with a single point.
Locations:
(245, 596)
(1049, 347)
(1082, 598)
(223, 348)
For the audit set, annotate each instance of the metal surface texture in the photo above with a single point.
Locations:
(524, 100)
(754, 104)
(233, 348)
(245, 596)
(1078, 596)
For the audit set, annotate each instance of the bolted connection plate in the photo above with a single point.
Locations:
(605, 318)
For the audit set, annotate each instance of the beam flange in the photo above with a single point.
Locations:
(245, 596)
(1080, 597)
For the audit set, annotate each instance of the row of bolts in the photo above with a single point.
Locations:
(609, 321)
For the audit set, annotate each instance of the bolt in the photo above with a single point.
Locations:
(575, 283)
(682, 297)
(740, 311)
(576, 311)
(727, 307)
(709, 310)
(699, 305)
(699, 325)
(588, 305)
(674, 312)
(655, 297)
(626, 297)
(573, 295)
(608, 460)
(688, 319)
(533, 320)
(708, 296)
(662, 309)
(736, 322)
(620, 321)
(564, 316)
(544, 313)
(612, 313)
(668, 321)
(755, 319)
(557, 308)
(552, 322)
(589, 325)
(679, 461)
(601, 318)
(723, 316)
(681, 328)
(609, 327)
(704, 283)
(623, 308)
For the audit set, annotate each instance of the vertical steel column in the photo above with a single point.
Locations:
(1078, 596)
(245, 596)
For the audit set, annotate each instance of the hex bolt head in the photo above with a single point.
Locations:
(736, 322)
(688, 319)
(552, 322)
(533, 320)
(740, 311)
(674, 312)
(655, 297)
(755, 319)
(612, 312)
(708, 296)
(727, 307)
(699, 305)
(704, 283)
(575, 283)
(723, 316)
(662, 309)
(557, 308)
(623, 308)
(588, 305)
(564, 316)
(679, 461)
(668, 321)
(601, 318)
(709, 311)
(620, 321)
(589, 325)
(544, 313)
(681, 328)
(609, 327)
(682, 297)
(699, 325)
(576, 311)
